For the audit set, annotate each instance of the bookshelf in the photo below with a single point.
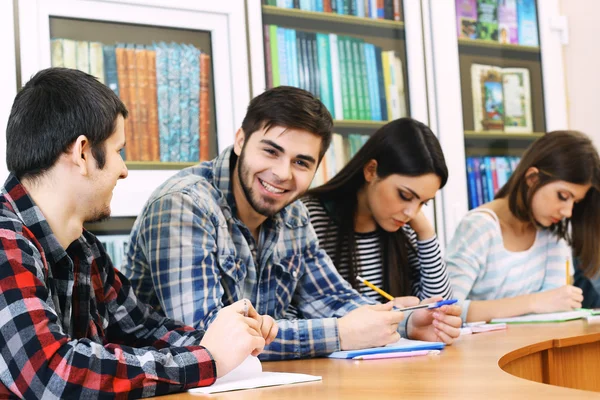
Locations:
(217, 29)
(464, 134)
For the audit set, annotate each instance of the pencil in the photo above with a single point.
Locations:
(568, 273)
(375, 288)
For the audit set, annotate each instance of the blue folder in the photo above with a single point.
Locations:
(401, 345)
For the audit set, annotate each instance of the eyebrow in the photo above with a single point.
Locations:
(412, 191)
(277, 147)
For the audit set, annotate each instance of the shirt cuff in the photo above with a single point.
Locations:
(318, 337)
(197, 366)
(465, 309)
(427, 242)
(403, 327)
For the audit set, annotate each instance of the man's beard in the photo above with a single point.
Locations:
(99, 215)
(243, 174)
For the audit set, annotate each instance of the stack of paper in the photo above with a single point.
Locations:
(547, 317)
(250, 375)
(400, 345)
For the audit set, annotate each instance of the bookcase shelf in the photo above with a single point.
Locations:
(158, 165)
(502, 135)
(358, 124)
(488, 44)
(332, 17)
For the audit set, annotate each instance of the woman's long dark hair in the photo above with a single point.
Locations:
(568, 156)
(404, 146)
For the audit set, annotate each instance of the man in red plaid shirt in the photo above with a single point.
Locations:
(70, 324)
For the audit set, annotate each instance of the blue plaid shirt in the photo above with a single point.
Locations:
(189, 255)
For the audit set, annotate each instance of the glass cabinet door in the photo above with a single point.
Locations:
(181, 68)
(8, 76)
(490, 55)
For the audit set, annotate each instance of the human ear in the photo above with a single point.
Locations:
(531, 176)
(370, 170)
(238, 144)
(80, 154)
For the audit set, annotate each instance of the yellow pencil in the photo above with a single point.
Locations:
(568, 273)
(375, 288)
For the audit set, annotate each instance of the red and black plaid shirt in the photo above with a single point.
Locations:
(70, 324)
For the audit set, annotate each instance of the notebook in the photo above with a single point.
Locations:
(401, 345)
(249, 375)
(547, 317)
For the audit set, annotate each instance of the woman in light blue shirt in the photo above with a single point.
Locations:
(510, 256)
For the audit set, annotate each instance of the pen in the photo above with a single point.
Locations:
(430, 306)
(375, 288)
(397, 354)
(568, 272)
(245, 308)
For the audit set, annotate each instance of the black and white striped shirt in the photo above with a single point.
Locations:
(430, 276)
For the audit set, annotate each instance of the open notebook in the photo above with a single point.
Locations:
(546, 317)
(249, 375)
(401, 345)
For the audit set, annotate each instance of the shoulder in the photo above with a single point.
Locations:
(315, 207)
(479, 221)
(295, 215)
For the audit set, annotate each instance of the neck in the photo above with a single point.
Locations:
(363, 218)
(48, 194)
(510, 219)
(245, 211)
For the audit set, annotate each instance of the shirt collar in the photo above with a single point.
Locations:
(30, 214)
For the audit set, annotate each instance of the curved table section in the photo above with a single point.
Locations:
(572, 362)
(564, 354)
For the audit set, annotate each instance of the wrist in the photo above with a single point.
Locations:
(532, 303)
(408, 327)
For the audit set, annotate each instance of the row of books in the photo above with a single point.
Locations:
(504, 21)
(486, 175)
(374, 9)
(341, 150)
(501, 99)
(115, 246)
(164, 87)
(355, 80)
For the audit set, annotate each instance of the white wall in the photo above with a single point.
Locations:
(582, 65)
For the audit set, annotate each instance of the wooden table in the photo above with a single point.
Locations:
(566, 354)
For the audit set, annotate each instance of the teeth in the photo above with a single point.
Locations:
(271, 189)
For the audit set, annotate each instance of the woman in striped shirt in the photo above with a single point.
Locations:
(368, 217)
(511, 256)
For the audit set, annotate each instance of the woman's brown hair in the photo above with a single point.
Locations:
(566, 156)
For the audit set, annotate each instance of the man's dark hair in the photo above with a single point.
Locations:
(289, 107)
(54, 108)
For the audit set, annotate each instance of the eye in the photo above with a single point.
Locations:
(562, 197)
(270, 151)
(404, 196)
(303, 164)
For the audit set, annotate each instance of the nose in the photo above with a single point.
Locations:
(124, 171)
(567, 210)
(411, 210)
(282, 170)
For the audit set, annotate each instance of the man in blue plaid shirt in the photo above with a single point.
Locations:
(232, 228)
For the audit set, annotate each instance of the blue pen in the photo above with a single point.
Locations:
(430, 306)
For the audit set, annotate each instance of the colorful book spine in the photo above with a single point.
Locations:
(152, 95)
(507, 22)
(162, 91)
(336, 82)
(205, 68)
(111, 78)
(194, 114)
(185, 136)
(97, 61)
(142, 125)
(487, 20)
(274, 55)
(326, 87)
(466, 19)
(527, 23)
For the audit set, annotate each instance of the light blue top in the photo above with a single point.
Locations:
(481, 268)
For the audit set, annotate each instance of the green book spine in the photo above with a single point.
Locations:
(326, 89)
(365, 80)
(344, 77)
(274, 54)
(358, 79)
(350, 62)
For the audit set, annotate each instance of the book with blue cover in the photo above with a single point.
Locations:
(401, 345)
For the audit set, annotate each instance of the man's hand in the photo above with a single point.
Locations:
(369, 326)
(436, 325)
(232, 337)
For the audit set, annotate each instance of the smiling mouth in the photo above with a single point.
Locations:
(270, 188)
